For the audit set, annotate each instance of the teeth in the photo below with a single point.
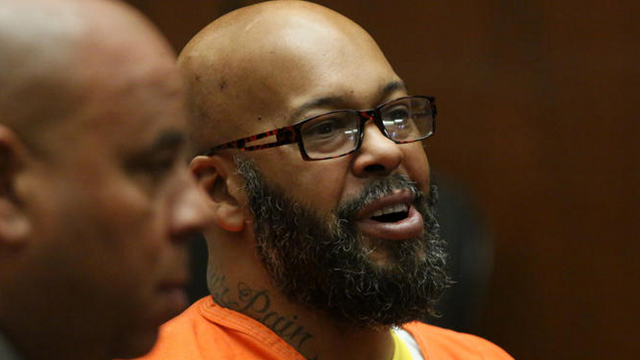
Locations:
(391, 209)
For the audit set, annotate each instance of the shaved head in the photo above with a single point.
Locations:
(95, 199)
(244, 70)
(53, 54)
(34, 63)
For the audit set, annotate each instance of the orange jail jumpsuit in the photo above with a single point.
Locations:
(206, 331)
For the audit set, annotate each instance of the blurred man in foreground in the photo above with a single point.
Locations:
(325, 244)
(95, 201)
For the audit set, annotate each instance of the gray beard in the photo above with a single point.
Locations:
(327, 267)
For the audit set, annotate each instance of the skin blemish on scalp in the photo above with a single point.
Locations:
(259, 118)
(223, 84)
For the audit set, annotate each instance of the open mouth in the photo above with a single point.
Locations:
(391, 214)
(392, 217)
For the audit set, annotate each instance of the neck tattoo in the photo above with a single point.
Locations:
(256, 303)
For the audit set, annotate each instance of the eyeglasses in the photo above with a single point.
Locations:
(339, 133)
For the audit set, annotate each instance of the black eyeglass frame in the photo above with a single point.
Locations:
(291, 134)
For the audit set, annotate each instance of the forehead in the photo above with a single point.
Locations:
(317, 61)
(139, 109)
(271, 80)
(130, 90)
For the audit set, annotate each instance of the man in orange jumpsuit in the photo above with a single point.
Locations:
(325, 244)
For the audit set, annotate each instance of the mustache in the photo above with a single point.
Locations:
(376, 189)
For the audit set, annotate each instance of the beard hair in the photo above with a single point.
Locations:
(327, 265)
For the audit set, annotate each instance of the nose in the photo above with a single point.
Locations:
(189, 213)
(378, 155)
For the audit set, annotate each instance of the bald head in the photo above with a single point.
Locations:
(94, 193)
(54, 52)
(252, 66)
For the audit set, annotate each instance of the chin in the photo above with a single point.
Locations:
(381, 259)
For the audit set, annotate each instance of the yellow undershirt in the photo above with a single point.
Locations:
(401, 351)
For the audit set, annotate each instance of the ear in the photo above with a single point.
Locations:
(14, 222)
(217, 176)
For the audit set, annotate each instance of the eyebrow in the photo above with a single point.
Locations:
(394, 86)
(169, 140)
(389, 88)
(319, 102)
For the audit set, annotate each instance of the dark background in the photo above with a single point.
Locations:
(539, 118)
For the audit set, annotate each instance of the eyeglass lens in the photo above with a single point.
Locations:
(338, 133)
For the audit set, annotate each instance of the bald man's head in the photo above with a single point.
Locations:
(51, 58)
(95, 199)
(291, 76)
(250, 66)
(35, 76)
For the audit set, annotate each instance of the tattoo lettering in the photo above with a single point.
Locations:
(257, 304)
(220, 291)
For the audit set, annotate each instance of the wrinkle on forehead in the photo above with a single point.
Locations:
(249, 65)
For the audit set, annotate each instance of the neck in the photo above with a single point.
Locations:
(312, 334)
(37, 337)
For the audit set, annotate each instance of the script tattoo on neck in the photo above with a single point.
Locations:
(257, 304)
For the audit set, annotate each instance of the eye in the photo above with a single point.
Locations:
(161, 164)
(326, 127)
(154, 163)
(398, 115)
(399, 122)
(154, 167)
(331, 134)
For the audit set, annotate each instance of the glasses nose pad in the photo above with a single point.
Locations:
(374, 116)
(359, 119)
(366, 116)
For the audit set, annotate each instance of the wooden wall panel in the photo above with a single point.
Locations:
(539, 117)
